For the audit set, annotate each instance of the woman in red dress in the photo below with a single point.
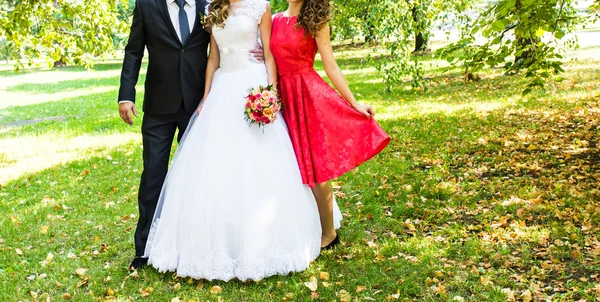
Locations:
(331, 132)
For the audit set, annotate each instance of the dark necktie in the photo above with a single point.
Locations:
(184, 25)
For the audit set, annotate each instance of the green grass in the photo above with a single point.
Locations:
(482, 194)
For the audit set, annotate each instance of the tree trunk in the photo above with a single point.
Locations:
(525, 51)
(421, 38)
(421, 44)
(60, 63)
(331, 33)
(526, 43)
(370, 35)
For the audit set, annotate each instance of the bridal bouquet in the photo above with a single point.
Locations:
(262, 105)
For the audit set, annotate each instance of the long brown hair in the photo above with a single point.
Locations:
(217, 14)
(314, 15)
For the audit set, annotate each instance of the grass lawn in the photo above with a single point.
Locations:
(483, 195)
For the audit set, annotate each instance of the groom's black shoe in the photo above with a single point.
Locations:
(138, 262)
(331, 245)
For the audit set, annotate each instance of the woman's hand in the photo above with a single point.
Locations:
(365, 110)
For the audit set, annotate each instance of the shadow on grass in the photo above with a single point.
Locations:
(454, 177)
(445, 90)
(66, 86)
(100, 66)
(69, 106)
(11, 72)
(90, 114)
(73, 85)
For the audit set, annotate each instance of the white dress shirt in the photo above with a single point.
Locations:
(190, 10)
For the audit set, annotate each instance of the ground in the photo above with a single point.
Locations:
(482, 195)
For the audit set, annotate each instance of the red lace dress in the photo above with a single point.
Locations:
(329, 137)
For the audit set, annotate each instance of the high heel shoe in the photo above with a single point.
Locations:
(332, 244)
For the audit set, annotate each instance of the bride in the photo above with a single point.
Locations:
(233, 204)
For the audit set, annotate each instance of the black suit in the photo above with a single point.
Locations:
(173, 90)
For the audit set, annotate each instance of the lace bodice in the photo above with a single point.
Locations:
(239, 34)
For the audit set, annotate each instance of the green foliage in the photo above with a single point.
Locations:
(525, 37)
(595, 9)
(397, 23)
(530, 32)
(363, 18)
(125, 9)
(7, 49)
(7, 4)
(278, 5)
(62, 30)
(527, 31)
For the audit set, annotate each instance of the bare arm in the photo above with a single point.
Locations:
(214, 60)
(266, 25)
(335, 73)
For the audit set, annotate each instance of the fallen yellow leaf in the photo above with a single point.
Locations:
(80, 272)
(485, 281)
(312, 283)
(49, 257)
(215, 290)
(177, 286)
(144, 293)
(344, 296)
(526, 296)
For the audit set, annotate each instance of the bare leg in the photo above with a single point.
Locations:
(324, 196)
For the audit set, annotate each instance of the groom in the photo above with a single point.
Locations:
(177, 44)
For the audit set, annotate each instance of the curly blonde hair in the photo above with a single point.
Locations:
(217, 14)
(314, 15)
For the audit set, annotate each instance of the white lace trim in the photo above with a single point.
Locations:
(253, 8)
(253, 264)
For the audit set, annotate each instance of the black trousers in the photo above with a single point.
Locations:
(158, 131)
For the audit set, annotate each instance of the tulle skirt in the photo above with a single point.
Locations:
(233, 204)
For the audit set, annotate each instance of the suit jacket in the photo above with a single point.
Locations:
(176, 70)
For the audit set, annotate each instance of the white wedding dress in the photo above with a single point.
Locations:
(233, 204)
